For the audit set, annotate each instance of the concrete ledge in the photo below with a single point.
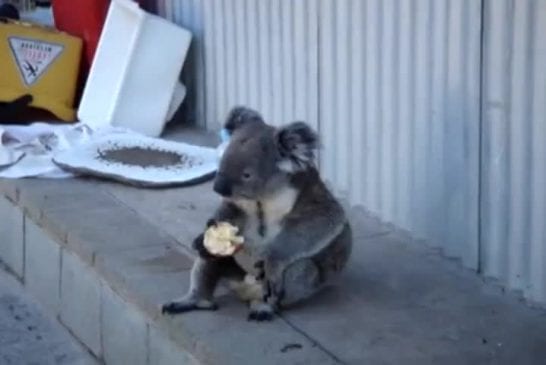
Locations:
(104, 257)
(12, 249)
(42, 267)
(81, 293)
(105, 271)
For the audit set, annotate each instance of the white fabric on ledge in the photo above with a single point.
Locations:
(27, 151)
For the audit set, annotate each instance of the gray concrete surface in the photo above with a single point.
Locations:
(28, 335)
(132, 267)
(11, 230)
(399, 302)
(42, 281)
(396, 294)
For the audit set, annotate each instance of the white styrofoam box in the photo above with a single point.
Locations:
(135, 70)
(178, 97)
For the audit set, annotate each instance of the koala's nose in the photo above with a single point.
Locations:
(222, 185)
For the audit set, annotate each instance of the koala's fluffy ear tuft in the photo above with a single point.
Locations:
(240, 116)
(297, 144)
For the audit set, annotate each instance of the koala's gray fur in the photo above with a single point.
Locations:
(297, 236)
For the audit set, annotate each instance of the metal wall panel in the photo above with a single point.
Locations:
(262, 54)
(399, 113)
(392, 86)
(513, 210)
(425, 121)
(189, 14)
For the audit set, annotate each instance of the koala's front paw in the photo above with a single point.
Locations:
(187, 305)
(260, 312)
(198, 243)
(199, 246)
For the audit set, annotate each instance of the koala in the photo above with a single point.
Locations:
(297, 236)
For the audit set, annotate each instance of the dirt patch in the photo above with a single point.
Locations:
(146, 157)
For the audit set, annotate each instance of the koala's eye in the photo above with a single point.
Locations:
(247, 175)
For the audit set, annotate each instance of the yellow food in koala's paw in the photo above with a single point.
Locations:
(222, 239)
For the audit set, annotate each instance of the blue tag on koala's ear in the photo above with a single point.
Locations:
(224, 135)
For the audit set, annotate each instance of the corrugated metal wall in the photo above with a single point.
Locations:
(429, 118)
(399, 113)
(189, 14)
(262, 54)
(258, 53)
(513, 239)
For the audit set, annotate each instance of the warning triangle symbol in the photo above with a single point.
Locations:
(33, 57)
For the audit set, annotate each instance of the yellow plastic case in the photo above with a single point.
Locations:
(42, 62)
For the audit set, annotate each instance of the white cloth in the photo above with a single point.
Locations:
(27, 151)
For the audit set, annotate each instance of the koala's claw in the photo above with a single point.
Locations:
(178, 307)
(260, 312)
(260, 315)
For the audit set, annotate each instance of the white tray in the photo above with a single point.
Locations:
(123, 158)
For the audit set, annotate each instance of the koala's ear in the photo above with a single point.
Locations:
(296, 143)
(240, 116)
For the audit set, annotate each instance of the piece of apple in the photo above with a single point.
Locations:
(222, 239)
